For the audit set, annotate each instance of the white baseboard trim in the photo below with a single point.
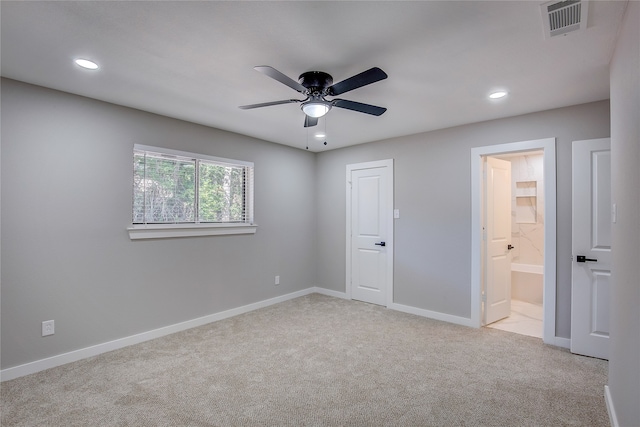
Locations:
(406, 309)
(73, 356)
(432, 314)
(613, 419)
(330, 293)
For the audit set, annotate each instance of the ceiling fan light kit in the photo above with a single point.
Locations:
(315, 109)
(316, 85)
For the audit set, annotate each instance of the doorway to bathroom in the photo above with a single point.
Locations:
(514, 237)
(514, 241)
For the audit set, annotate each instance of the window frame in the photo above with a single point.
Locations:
(196, 228)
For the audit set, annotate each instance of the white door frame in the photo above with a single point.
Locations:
(388, 163)
(548, 147)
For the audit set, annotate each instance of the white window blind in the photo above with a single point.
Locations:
(175, 187)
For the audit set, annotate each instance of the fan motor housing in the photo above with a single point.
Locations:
(315, 81)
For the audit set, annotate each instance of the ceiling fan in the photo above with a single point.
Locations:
(316, 85)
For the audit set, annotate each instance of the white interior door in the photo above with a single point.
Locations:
(497, 240)
(370, 233)
(591, 273)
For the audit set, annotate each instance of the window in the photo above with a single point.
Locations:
(177, 194)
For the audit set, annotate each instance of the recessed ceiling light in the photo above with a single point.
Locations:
(320, 135)
(85, 63)
(498, 94)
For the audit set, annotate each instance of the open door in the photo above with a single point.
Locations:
(591, 271)
(497, 239)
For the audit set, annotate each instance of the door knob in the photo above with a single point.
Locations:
(510, 247)
(582, 258)
(380, 244)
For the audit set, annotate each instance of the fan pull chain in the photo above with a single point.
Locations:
(325, 130)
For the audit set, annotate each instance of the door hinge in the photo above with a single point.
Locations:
(484, 297)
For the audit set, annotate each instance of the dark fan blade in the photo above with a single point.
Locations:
(267, 104)
(358, 106)
(277, 75)
(373, 75)
(310, 121)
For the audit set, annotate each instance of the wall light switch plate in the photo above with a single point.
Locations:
(396, 213)
(614, 213)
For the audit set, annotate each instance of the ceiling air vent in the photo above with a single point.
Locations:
(562, 17)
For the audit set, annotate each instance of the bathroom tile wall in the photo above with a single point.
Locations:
(527, 213)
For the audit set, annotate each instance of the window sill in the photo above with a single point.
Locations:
(164, 231)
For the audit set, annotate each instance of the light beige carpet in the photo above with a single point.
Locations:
(318, 361)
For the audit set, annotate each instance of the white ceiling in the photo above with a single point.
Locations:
(194, 60)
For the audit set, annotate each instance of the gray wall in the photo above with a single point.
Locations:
(66, 204)
(624, 361)
(79, 267)
(432, 264)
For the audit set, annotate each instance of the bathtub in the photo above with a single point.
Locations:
(527, 268)
(527, 282)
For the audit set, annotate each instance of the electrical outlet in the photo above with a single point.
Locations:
(48, 328)
(277, 280)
